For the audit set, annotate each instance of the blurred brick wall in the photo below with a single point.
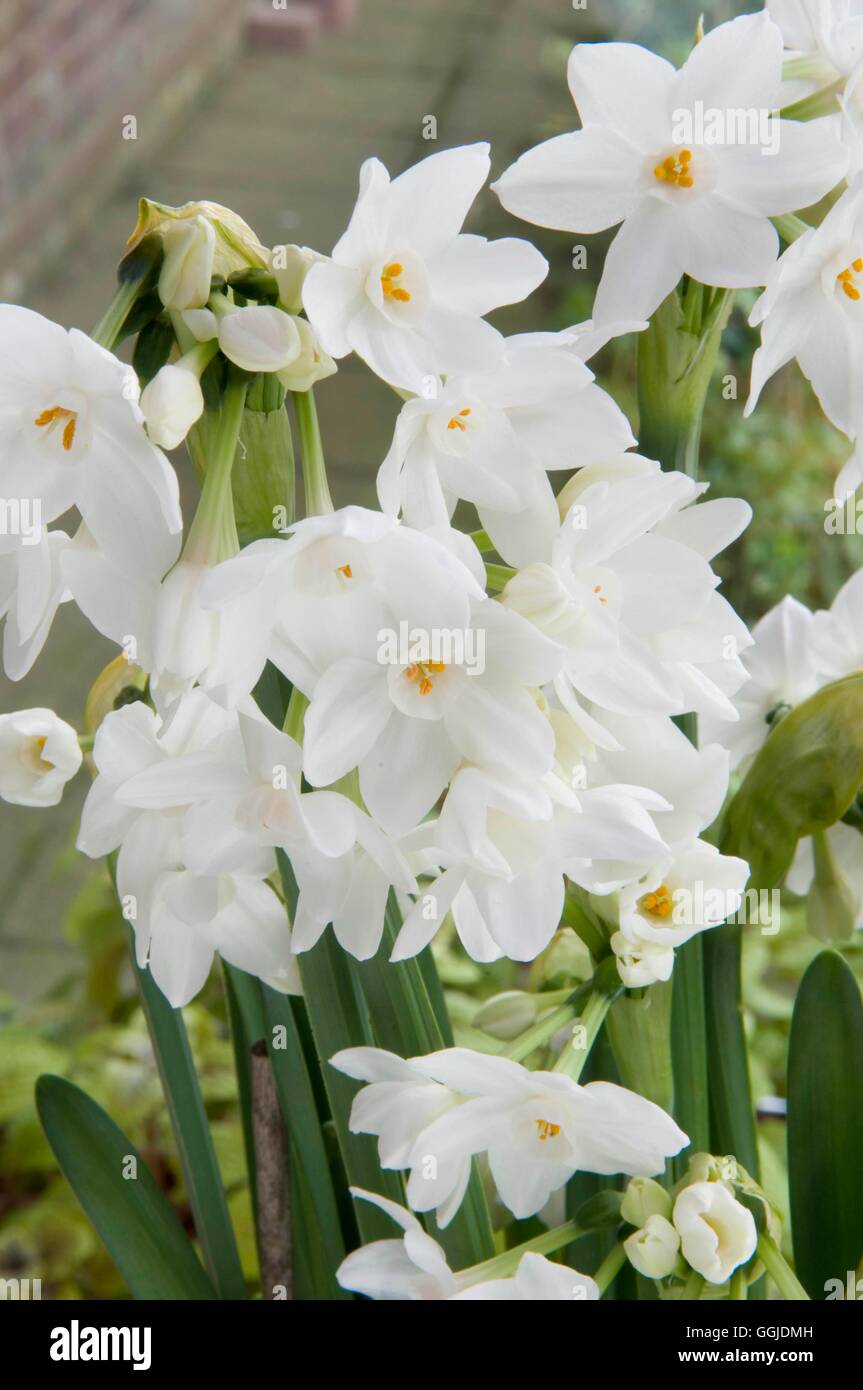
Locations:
(71, 73)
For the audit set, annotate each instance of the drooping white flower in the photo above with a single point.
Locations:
(189, 248)
(405, 288)
(717, 1233)
(693, 196)
(811, 309)
(71, 434)
(536, 1280)
(537, 1129)
(32, 587)
(629, 593)
(504, 847)
(39, 754)
(828, 35)
(171, 403)
(414, 1268)
(490, 437)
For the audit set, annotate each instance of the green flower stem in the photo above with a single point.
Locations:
(780, 1271)
(502, 1266)
(213, 533)
(586, 928)
(136, 274)
(482, 541)
(540, 1032)
(610, 1268)
(693, 1286)
(790, 227)
(498, 576)
(601, 993)
(317, 490)
(738, 1290)
(824, 102)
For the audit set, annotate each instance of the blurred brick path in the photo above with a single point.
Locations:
(280, 138)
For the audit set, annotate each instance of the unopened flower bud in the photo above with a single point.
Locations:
(653, 1250)
(311, 363)
(184, 280)
(290, 265)
(260, 338)
(171, 404)
(644, 1198)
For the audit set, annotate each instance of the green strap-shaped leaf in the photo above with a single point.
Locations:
(131, 1214)
(303, 1127)
(825, 1124)
(803, 779)
(192, 1134)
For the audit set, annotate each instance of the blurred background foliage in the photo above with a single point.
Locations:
(67, 996)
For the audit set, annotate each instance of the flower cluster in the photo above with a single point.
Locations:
(485, 732)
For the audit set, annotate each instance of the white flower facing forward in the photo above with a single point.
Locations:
(688, 204)
(71, 434)
(489, 437)
(405, 289)
(39, 754)
(180, 916)
(536, 1128)
(812, 309)
(414, 1268)
(717, 1233)
(629, 592)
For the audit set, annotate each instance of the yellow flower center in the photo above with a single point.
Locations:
(546, 1130)
(675, 169)
(457, 421)
(51, 419)
(658, 903)
(419, 671)
(392, 273)
(346, 571)
(845, 278)
(597, 589)
(32, 756)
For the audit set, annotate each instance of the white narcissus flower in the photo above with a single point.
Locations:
(259, 338)
(397, 1103)
(537, 1129)
(71, 434)
(653, 1250)
(414, 1268)
(39, 753)
(642, 158)
(405, 288)
(504, 846)
(629, 593)
(171, 403)
(180, 917)
(717, 1233)
(489, 437)
(836, 647)
(812, 309)
(828, 35)
(536, 1280)
(32, 587)
(782, 669)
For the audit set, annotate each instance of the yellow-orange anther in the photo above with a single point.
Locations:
(546, 1130)
(346, 571)
(675, 169)
(846, 278)
(658, 903)
(419, 671)
(457, 421)
(53, 416)
(391, 274)
(597, 589)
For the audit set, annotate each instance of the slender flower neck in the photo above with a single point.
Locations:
(213, 533)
